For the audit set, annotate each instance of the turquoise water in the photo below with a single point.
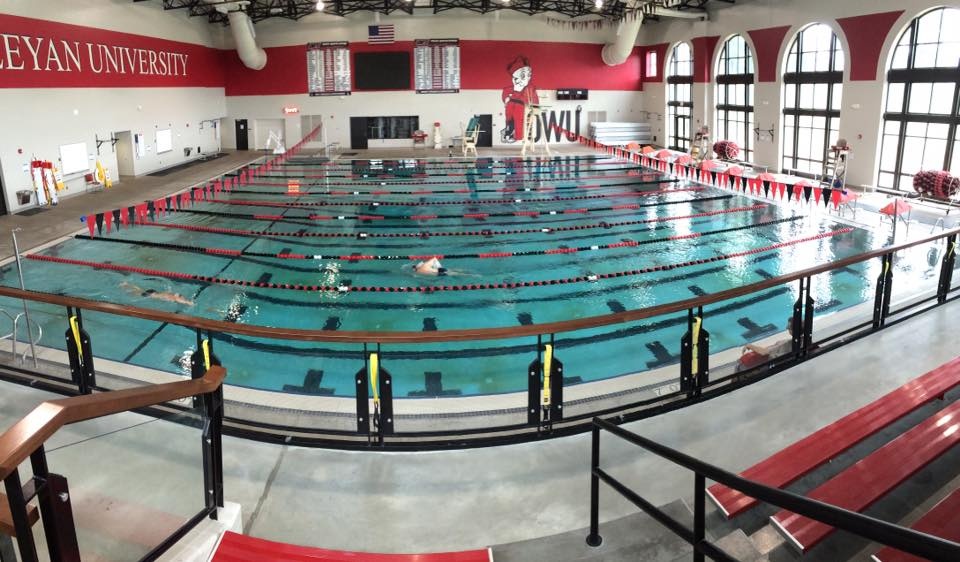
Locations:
(683, 222)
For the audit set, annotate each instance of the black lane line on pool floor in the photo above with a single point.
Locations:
(480, 217)
(156, 332)
(486, 232)
(562, 342)
(356, 258)
(429, 193)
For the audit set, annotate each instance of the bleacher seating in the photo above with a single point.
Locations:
(861, 485)
(941, 521)
(234, 547)
(802, 457)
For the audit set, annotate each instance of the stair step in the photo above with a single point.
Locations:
(6, 518)
(739, 545)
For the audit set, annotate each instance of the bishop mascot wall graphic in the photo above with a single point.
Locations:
(518, 95)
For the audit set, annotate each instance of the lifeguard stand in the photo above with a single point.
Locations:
(835, 165)
(530, 119)
(700, 147)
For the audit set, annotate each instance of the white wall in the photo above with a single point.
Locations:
(37, 121)
(860, 125)
(451, 110)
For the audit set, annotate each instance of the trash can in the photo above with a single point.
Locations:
(24, 196)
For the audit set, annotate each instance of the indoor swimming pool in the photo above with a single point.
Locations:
(332, 246)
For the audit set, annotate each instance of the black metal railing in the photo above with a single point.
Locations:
(871, 528)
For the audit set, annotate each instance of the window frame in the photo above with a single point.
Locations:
(674, 115)
(909, 77)
(728, 82)
(795, 78)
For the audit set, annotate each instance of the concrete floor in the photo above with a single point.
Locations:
(63, 219)
(436, 501)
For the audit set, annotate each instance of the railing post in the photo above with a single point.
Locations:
(56, 509)
(363, 397)
(881, 301)
(18, 511)
(594, 538)
(694, 355)
(699, 515)
(533, 387)
(80, 353)
(211, 435)
(946, 269)
(383, 399)
(801, 323)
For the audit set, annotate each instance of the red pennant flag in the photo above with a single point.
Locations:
(816, 194)
(797, 192)
(91, 223)
(185, 199)
(782, 189)
(217, 186)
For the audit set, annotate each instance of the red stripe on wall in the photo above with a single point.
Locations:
(703, 49)
(865, 36)
(37, 53)
(483, 66)
(767, 43)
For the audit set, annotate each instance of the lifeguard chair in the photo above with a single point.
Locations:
(531, 118)
(470, 135)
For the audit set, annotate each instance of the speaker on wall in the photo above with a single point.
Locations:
(572, 94)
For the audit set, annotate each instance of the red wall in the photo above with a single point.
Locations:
(483, 66)
(203, 64)
(703, 49)
(767, 43)
(865, 36)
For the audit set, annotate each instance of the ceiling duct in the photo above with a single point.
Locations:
(244, 36)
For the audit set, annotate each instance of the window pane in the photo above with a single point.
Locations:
(895, 98)
(920, 97)
(942, 99)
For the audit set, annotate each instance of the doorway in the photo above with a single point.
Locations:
(358, 133)
(485, 139)
(242, 143)
(124, 153)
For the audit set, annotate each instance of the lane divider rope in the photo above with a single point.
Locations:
(363, 235)
(480, 255)
(432, 288)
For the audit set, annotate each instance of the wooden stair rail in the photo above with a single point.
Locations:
(31, 432)
(6, 518)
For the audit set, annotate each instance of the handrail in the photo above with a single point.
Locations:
(28, 434)
(877, 530)
(471, 334)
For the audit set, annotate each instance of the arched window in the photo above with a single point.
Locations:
(679, 97)
(812, 87)
(735, 95)
(921, 116)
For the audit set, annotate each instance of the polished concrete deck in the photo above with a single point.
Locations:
(63, 219)
(434, 501)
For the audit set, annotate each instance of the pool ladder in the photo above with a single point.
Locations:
(15, 320)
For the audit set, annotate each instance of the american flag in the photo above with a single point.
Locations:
(380, 34)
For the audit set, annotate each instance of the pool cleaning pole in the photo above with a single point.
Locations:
(26, 310)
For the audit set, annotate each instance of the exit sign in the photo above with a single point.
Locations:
(291, 110)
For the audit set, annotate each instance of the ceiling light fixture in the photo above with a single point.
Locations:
(598, 4)
(320, 6)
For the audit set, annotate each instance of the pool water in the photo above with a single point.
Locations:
(607, 234)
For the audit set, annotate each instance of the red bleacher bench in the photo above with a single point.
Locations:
(805, 455)
(942, 521)
(234, 547)
(861, 485)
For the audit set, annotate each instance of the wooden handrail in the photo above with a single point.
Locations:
(28, 434)
(472, 334)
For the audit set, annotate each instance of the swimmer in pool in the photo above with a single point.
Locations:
(154, 294)
(430, 267)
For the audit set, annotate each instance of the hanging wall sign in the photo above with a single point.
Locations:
(437, 64)
(328, 68)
